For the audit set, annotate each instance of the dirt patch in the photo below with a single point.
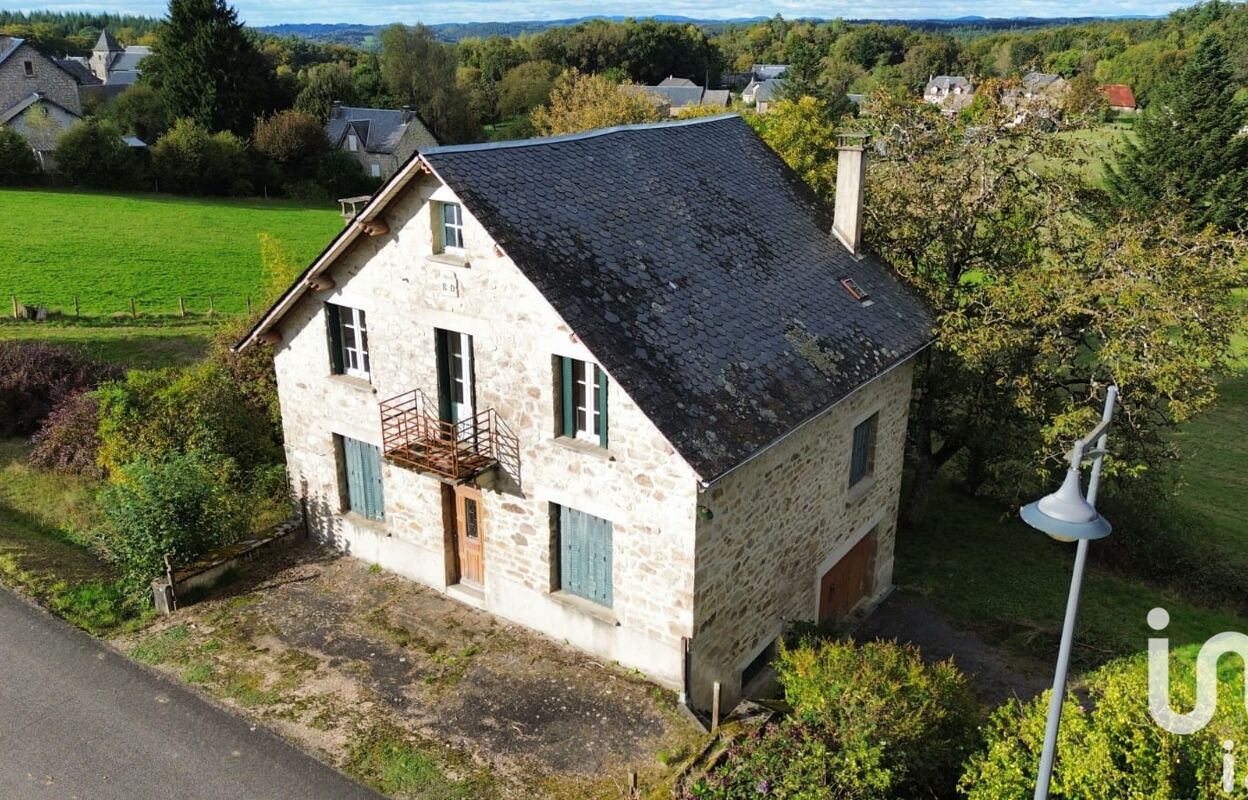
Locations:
(377, 674)
(996, 675)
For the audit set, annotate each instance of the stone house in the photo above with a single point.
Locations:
(510, 380)
(30, 84)
(951, 93)
(674, 95)
(379, 138)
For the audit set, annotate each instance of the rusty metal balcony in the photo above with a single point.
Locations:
(414, 436)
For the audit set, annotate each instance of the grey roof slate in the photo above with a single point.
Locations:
(672, 80)
(768, 90)
(763, 72)
(379, 129)
(107, 43)
(16, 110)
(78, 68)
(946, 83)
(8, 46)
(698, 269)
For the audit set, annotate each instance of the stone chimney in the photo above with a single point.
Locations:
(851, 173)
(335, 109)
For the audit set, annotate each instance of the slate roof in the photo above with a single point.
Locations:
(764, 72)
(107, 43)
(8, 46)
(379, 129)
(710, 293)
(81, 72)
(671, 80)
(18, 108)
(1036, 81)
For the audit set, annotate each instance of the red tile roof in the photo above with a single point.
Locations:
(1119, 95)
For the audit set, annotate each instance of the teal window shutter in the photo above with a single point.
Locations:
(864, 442)
(333, 322)
(602, 408)
(444, 374)
(364, 486)
(585, 551)
(568, 405)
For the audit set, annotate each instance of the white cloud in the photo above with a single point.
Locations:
(269, 12)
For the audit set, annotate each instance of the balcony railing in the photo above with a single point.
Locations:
(413, 435)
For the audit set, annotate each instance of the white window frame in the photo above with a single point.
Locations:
(586, 410)
(375, 169)
(454, 242)
(353, 142)
(355, 358)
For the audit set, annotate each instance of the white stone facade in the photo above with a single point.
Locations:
(726, 583)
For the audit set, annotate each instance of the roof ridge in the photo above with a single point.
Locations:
(572, 137)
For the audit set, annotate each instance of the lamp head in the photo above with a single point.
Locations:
(1065, 515)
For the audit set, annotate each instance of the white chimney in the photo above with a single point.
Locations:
(851, 173)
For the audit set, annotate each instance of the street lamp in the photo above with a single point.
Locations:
(1067, 517)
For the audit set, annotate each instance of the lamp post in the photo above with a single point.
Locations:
(1067, 517)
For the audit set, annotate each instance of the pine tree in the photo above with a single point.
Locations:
(206, 68)
(1189, 147)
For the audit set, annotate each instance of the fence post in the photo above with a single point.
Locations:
(134, 312)
(715, 708)
(76, 308)
(249, 305)
(210, 312)
(181, 306)
(13, 297)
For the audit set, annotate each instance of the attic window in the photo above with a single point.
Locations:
(29, 66)
(856, 291)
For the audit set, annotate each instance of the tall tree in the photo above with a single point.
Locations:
(324, 85)
(206, 67)
(420, 70)
(1189, 148)
(584, 102)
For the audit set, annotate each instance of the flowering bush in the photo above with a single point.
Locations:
(68, 441)
(35, 376)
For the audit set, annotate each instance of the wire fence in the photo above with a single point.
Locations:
(183, 306)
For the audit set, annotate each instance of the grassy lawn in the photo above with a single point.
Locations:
(108, 248)
(145, 344)
(1096, 147)
(46, 524)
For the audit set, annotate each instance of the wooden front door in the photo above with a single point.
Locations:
(849, 581)
(469, 536)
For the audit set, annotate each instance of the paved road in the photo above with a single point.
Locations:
(79, 721)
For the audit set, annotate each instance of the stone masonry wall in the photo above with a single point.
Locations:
(781, 521)
(640, 483)
(54, 82)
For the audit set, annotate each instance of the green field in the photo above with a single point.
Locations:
(109, 248)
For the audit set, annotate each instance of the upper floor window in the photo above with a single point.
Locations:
(353, 142)
(29, 67)
(348, 340)
(452, 226)
(584, 400)
(862, 461)
(376, 169)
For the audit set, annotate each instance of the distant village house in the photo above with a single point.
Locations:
(951, 93)
(379, 138)
(1119, 97)
(673, 95)
(38, 97)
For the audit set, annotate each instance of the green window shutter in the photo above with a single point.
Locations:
(333, 322)
(444, 374)
(375, 507)
(364, 487)
(585, 566)
(569, 409)
(354, 468)
(602, 408)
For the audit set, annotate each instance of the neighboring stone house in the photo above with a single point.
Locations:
(762, 93)
(30, 84)
(951, 93)
(674, 95)
(1043, 85)
(380, 138)
(115, 65)
(1119, 97)
(513, 379)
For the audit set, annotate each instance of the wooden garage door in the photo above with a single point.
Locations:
(849, 581)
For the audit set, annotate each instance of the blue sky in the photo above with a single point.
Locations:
(268, 12)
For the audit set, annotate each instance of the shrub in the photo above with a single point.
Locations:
(340, 175)
(1109, 748)
(35, 376)
(68, 440)
(176, 505)
(909, 723)
(200, 409)
(92, 153)
(17, 161)
(189, 160)
(793, 759)
(292, 138)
